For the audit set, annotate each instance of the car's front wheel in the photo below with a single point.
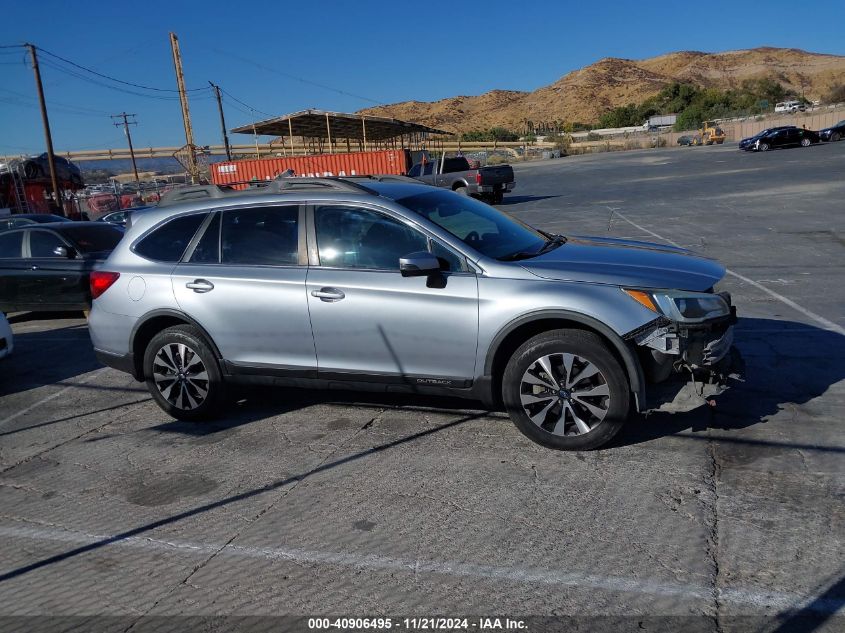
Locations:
(182, 373)
(763, 147)
(835, 136)
(565, 390)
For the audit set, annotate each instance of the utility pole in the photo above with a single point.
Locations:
(126, 125)
(186, 114)
(51, 158)
(222, 120)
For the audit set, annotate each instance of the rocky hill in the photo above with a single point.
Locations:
(583, 95)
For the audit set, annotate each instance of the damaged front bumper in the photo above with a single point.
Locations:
(703, 352)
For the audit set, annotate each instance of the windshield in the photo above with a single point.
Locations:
(478, 225)
(93, 239)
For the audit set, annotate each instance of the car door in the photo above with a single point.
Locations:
(60, 281)
(14, 293)
(792, 137)
(371, 321)
(243, 280)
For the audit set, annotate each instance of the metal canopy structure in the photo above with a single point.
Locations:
(319, 124)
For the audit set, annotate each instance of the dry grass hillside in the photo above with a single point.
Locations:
(583, 95)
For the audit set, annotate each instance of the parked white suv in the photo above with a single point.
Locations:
(790, 106)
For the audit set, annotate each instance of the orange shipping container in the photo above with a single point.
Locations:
(391, 161)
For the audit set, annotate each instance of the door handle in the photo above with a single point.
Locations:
(200, 285)
(329, 295)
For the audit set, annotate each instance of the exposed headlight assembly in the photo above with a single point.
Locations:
(682, 306)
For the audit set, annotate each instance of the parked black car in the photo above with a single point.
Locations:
(45, 267)
(774, 138)
(28, 219)
(751, 140)
(834, 132)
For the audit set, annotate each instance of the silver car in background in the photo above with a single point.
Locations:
(384, 284)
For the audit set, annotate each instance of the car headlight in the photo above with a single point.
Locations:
(681, 306)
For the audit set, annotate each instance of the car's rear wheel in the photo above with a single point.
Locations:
(564, 390)
(182, 373)
(805, 142)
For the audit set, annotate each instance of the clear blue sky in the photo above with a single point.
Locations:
(366, 51)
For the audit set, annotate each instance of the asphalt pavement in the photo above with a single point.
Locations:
(315, 503)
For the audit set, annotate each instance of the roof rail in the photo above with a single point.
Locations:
(191, 192)
(279, 185)
(338, 183)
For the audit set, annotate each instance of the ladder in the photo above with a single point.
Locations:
(17, 184)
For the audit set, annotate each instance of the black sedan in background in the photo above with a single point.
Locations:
(45, 267)
(26, 219)
(773, 138)
(834, 132)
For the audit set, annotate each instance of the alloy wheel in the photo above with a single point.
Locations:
(564, 394)
(180, 376)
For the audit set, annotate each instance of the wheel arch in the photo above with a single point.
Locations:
(154, 322)
(515, 333)
(458, 184)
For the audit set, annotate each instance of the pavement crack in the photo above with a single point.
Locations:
(712, 521)
(228, 544)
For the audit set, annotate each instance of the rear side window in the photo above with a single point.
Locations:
(260, 236)
(10, 244)
(43, 243)
(168, 242)
(93, 238)
(207, 250)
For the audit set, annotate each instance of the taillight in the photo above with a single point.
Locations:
(478, 178)
(101, 281)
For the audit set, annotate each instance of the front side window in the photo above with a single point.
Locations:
(352, 237)
(478, 225)
(43, 244)
(168, 242)
(260, 236)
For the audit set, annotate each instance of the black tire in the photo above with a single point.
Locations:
(183, 401)
(835, 136)
(586, 348)
(31, 169)
(805, 142)
(462, 191)
(498, 197)
(763, 147)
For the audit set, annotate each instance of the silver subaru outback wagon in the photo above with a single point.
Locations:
(383, 284)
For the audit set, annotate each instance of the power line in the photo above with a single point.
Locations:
(56, 103)
(294, 77)
(245, 104)
(91, 80)
(120, 81)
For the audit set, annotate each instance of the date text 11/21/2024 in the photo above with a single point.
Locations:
(417, 624)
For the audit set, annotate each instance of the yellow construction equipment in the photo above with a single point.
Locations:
(710, 133)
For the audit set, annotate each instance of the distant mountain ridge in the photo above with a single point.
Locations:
(584, 95)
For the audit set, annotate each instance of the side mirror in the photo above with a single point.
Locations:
(419, 264)
(65, 251)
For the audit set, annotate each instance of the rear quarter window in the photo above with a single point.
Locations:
(167, 242)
